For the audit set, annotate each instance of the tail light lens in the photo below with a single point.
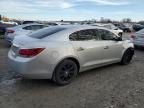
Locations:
(10, 31)
(30, 52)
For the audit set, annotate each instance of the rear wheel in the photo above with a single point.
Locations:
(65, 72)
(127, 57)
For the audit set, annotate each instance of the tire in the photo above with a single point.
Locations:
(120, 34)
(65, 72)
(127, 57)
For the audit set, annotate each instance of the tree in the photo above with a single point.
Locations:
(4, 18)
(126, 20)
(105, 20)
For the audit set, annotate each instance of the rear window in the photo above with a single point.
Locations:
(45, 32)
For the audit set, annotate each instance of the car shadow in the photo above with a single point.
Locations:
(23, 83)
(28, 83)
(139, 48)
(99, 69)
(38, 82)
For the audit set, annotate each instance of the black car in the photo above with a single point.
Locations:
(28, 22)
(138, 27)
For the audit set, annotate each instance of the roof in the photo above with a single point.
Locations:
(68, 29)
(80, 27)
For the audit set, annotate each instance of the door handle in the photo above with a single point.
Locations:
(80, 49)
(106, 47)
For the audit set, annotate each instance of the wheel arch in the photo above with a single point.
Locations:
(75, 60)
(130, 48)
(67, 58)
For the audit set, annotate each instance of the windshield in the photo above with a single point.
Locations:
(42, 33)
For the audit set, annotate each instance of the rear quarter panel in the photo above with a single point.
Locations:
(55, 52)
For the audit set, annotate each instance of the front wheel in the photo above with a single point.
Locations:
(120, 34)
(65, 72)
(127, 57)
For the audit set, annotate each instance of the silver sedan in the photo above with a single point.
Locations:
(138, 38)
(61, 52)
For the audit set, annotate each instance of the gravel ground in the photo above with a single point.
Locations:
(113, 86)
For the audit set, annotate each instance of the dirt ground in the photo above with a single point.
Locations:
(113, 86)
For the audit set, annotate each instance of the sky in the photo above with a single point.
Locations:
(53, 10)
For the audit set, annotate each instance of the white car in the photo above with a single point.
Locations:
(21, 30)
(114, 29)
(111, 27)
(9, 22)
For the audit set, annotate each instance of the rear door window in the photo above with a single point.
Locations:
(84, 35)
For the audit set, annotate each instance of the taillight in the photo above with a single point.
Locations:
(30, 52)
(10, 31)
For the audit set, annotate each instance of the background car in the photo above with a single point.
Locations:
(138, 38)
(9, 22)
(114, 29)
(21, 30)
(4, 25)
(138, 27)
(124, 27)
(52, 23)
(111, 27)
(28, 22)
(61, 52)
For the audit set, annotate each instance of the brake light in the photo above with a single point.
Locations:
(30, 52)
(10, 31)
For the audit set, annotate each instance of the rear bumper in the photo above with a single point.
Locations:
(30, 68)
